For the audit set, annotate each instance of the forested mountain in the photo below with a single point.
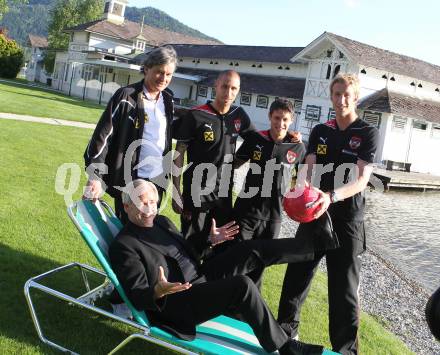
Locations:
(35, 15)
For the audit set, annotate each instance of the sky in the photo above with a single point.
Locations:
(406, 27)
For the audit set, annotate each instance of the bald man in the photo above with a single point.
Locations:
(209, 134)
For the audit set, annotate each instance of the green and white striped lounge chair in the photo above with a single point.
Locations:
(98, 226)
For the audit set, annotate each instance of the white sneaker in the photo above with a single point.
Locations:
(121, 310)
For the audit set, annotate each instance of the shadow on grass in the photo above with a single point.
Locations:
(73, 327)
(58, 96)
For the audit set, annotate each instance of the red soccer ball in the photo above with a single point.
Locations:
(296, 201)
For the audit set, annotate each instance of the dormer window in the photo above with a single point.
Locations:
(140, 45)
(117, 9)
(114, 10)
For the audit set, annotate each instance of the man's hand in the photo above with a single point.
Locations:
(163, 287)
(224, 233)
(295, 136)
(323, 201)
(92, 190)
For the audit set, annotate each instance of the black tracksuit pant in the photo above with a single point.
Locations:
(197, 229)
(224, 288)
(343, 270)
(253, 228)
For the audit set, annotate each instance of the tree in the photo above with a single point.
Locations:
(11, 57)
(65, 14)
(4, 5)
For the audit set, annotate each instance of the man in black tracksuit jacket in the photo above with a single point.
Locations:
(140, 113)
(349, 144)
(209, 134)
(273, 157)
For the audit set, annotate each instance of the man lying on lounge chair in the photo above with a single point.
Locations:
(158, 272)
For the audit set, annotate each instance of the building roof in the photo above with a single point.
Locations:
(231, 52)
(255, 84)
(130, 30)
(386, 60)
(38, 41)
(404, 105)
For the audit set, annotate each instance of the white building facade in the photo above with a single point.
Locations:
(35, 67)
(399, 95)
(100, 60)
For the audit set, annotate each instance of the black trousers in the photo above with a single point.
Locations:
(343, 270)
(236, 294)
(224, 288)
(197, 229)
(253, 228)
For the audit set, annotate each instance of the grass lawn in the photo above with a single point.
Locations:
(36, 235)
(34, 101)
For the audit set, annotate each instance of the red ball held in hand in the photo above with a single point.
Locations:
(296, 201)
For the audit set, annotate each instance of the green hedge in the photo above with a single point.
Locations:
(11, 57)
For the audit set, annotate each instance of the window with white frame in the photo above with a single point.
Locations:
(202, 91)
(313, 112)
(421, 125)
(435, 131)
(297, 107)
(373, 118)
(67, 72)
(262, 101)
(331, 114)
(140, 45)
(86, 72)
(245, 99)
(213, 93)
(399, 123)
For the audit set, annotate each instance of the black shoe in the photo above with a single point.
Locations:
(294, 347)
(291, 329)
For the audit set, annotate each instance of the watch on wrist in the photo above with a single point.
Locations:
(333, 197)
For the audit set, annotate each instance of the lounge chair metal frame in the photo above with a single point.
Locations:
(222, 335)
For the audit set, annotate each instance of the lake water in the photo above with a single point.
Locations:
(405, 228)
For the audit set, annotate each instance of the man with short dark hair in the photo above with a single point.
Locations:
(161, 276)
(140, 113)
(272, 157)
(349, 144)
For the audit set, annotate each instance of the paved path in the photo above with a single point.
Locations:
(52, 121)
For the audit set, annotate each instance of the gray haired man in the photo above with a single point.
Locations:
(134, 133)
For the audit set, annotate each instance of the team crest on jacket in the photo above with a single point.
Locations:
(321, 149)
(355, 142)
(209, 136)
(256, 155)
(237, 125)
(290, 156)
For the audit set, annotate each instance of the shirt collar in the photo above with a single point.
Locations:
(147, 96)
